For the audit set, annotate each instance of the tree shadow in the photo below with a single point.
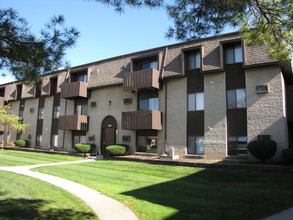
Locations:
(23, 209)
(221, 194)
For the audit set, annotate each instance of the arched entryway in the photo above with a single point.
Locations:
(108, 136)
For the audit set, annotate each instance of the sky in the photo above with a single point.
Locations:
(104, 33)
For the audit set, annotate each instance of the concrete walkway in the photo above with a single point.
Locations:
(105, 207)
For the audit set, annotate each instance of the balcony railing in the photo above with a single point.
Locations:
(73, 122)
(141, 79)
(74, 90)
(142, 120)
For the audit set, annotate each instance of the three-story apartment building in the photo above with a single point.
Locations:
(204, 98)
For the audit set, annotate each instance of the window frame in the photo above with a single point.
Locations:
(41, 113)
(56, 112)
(195, 101)
(195, 56)
(233, 48)
(237, 143)
(39, 140)
(196, 151)
(236, 102)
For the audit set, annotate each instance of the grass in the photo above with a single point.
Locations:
(23, 197)
(176, 192)
(21, 158)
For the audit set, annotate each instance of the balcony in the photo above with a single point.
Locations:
(74, 90)
(73, 122)
(141, 79)
(142, 120)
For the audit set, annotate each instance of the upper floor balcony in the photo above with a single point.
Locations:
(142, 120)
(141, 79)
(73, 122)
(74, 90)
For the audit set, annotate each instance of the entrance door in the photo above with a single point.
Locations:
(109, 127)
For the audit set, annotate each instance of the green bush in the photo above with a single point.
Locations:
(126, 146)
(288, 154)
(84, 148)
(20, 143)
(116, 150)
(262, 149)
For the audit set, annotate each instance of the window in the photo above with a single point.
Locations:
(18, 136)
(79, 139)
(81, 78)
(196, 101)
(147, 141)
(1, 139)
(149, 104)
(236, 98)
(237, 146)
(54, 140)
(233, 54)
(41, 113)
(195, 145)
(39, 140)
(20, 113)
(149, 65)
(193, 60)
(81, 109)
(56, 111)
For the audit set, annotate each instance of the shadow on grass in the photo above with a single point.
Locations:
(22, 209)
(219, 194)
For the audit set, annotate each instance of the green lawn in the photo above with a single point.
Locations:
(176, 192)
(23, 197)
(21, 158)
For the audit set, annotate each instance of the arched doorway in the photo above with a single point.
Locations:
(109, 127)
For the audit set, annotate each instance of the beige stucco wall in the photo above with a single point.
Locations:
(215, 126)
(97, 114)
(30, 118)
(47, 122)
(266, 112)
(176, 115)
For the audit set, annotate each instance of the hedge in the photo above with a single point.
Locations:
(21, 143)
(116, 150)
(84, 148)
(288, 154)
(262, 149)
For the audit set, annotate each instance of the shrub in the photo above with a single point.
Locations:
(262, 149)
(82, 148)
(20, 143)
(126, 146)
(116, 150)
(288, 154)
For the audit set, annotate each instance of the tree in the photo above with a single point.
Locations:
(260, 21)
(9, 122)
(27, 56)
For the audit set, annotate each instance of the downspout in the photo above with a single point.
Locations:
(166, 99)
(63, 141)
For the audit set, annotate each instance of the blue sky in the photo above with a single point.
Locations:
(103, 32)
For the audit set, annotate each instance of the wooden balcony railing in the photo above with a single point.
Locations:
(141, 79)
(74, 90)
(141, 120)
(73, 122)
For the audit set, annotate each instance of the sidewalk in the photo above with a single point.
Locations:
(105, 207)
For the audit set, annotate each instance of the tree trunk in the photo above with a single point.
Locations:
(5, 138)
